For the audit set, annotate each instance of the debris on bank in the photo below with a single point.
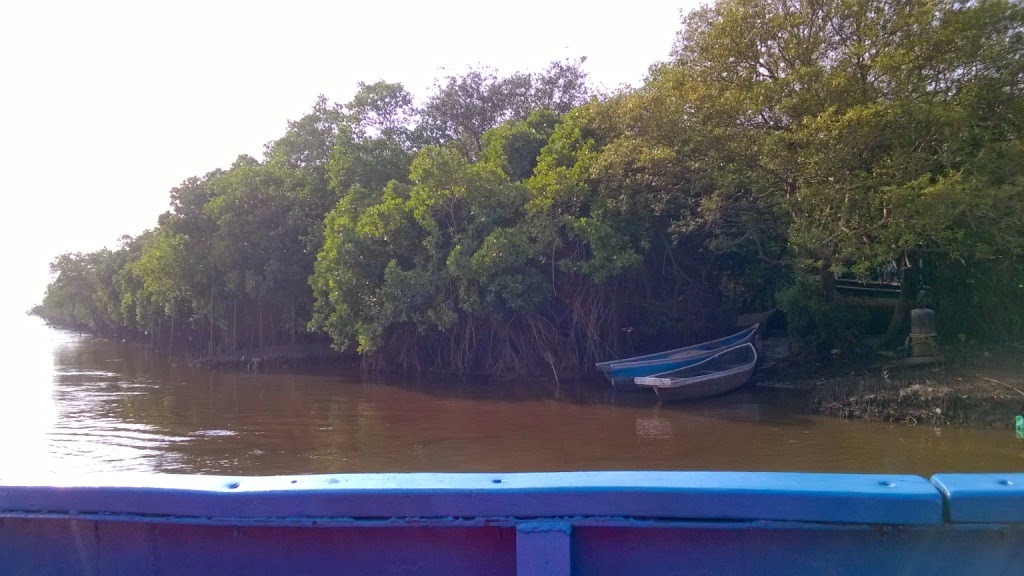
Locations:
(935, 396)
(975, 388)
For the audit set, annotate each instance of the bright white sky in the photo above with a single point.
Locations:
(105, 105)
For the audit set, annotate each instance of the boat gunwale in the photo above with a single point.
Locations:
(666, 382)
(651, 359)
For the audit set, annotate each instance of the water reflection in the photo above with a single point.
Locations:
(653, 428)
(76, 404)
(27, 409)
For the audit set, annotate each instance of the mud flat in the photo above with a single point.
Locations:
(938, 395)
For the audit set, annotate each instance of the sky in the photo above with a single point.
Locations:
(106, 105)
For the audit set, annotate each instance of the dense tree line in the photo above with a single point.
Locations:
(509, 223)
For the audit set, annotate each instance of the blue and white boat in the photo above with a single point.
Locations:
(622, 373)
(725, 371)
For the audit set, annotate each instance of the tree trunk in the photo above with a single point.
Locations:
(828, 283)
(908, 284)
(210, 352)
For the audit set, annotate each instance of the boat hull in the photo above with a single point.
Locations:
(724, 371)
(622, 373)
(555, 524)
(705, 388)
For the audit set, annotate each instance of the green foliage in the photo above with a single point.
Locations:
(161, 270)
(81, 294)
(869, 129)
(515, 146)
(818, 319)
(375, 141)
(465, 107)
(981, 301)
(420, 255)
(366, 235)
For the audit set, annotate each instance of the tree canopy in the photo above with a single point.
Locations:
(510, 224)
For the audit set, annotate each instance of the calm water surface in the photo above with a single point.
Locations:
(74, 404)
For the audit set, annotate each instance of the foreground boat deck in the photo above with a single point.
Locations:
(547, 523)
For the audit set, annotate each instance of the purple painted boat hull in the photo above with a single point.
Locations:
(552, 524)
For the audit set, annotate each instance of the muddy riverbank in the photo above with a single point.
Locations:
(277, 358)
(977, 388)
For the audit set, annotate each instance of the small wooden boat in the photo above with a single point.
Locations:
(723, 371)
(622, 373)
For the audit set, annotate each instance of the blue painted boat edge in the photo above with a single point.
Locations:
(238, 525)
(743, 335)
(982, 498)
(718, 496)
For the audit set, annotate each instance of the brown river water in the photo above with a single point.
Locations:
(72, 404)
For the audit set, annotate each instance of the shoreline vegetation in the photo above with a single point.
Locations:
(842, 162)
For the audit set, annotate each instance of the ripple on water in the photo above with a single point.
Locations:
(106, 431)
(213, 433)
(89, 373)
(105, 445)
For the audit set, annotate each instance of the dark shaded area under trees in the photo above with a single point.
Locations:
(508, 225)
